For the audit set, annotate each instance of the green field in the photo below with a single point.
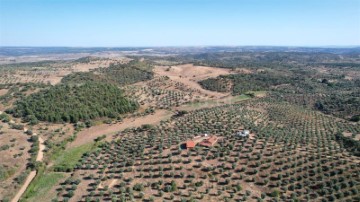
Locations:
(68, 159)
(239, 98)
(43, 182)
(258, 93)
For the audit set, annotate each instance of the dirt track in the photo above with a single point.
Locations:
(190, 75)
(29, 178)
(32, 174)
(88, 135)
(40, 155)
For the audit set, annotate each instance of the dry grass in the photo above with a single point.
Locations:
(15, 158)
(54, 72)
(3, 91)
(190, 75)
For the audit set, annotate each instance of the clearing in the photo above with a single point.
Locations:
(88, 135)
(190, 75)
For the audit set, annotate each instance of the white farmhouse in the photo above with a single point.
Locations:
(243, 133)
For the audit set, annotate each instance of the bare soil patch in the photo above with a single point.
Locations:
(40, 155)
(243, 70)
(348, 134)
(3, 91)
(88, 135)
(190, 75)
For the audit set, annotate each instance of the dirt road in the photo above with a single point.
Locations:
(32, 174)
(29, 178)
(40, 155)
(88, 135)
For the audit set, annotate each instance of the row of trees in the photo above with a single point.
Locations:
(292, 156)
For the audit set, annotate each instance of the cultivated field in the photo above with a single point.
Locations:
(116, 128)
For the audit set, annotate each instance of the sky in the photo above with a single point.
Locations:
(119, 23)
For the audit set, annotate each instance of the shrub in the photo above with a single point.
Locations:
(275, 193)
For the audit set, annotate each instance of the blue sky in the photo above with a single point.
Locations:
(179, 22)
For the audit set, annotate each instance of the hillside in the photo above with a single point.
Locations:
(71, 103)
(301, 112)
(117, 73)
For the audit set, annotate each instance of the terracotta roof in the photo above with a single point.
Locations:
(209, 142)
(190, 144)
(212, 139)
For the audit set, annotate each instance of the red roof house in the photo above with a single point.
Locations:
(190, 144)
(209, 142)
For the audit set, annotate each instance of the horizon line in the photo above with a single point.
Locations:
(190, 46)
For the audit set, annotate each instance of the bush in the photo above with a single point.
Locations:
(138, 187)
(4, 147)
(4, 118)
(17, 126)
(275, 193)
(29, 132)
(22, 177)
(355, 118)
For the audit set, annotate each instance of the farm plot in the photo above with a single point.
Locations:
(290, 155)
(163, 93)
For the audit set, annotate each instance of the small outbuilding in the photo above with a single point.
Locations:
(243, 133)
(190, 144)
